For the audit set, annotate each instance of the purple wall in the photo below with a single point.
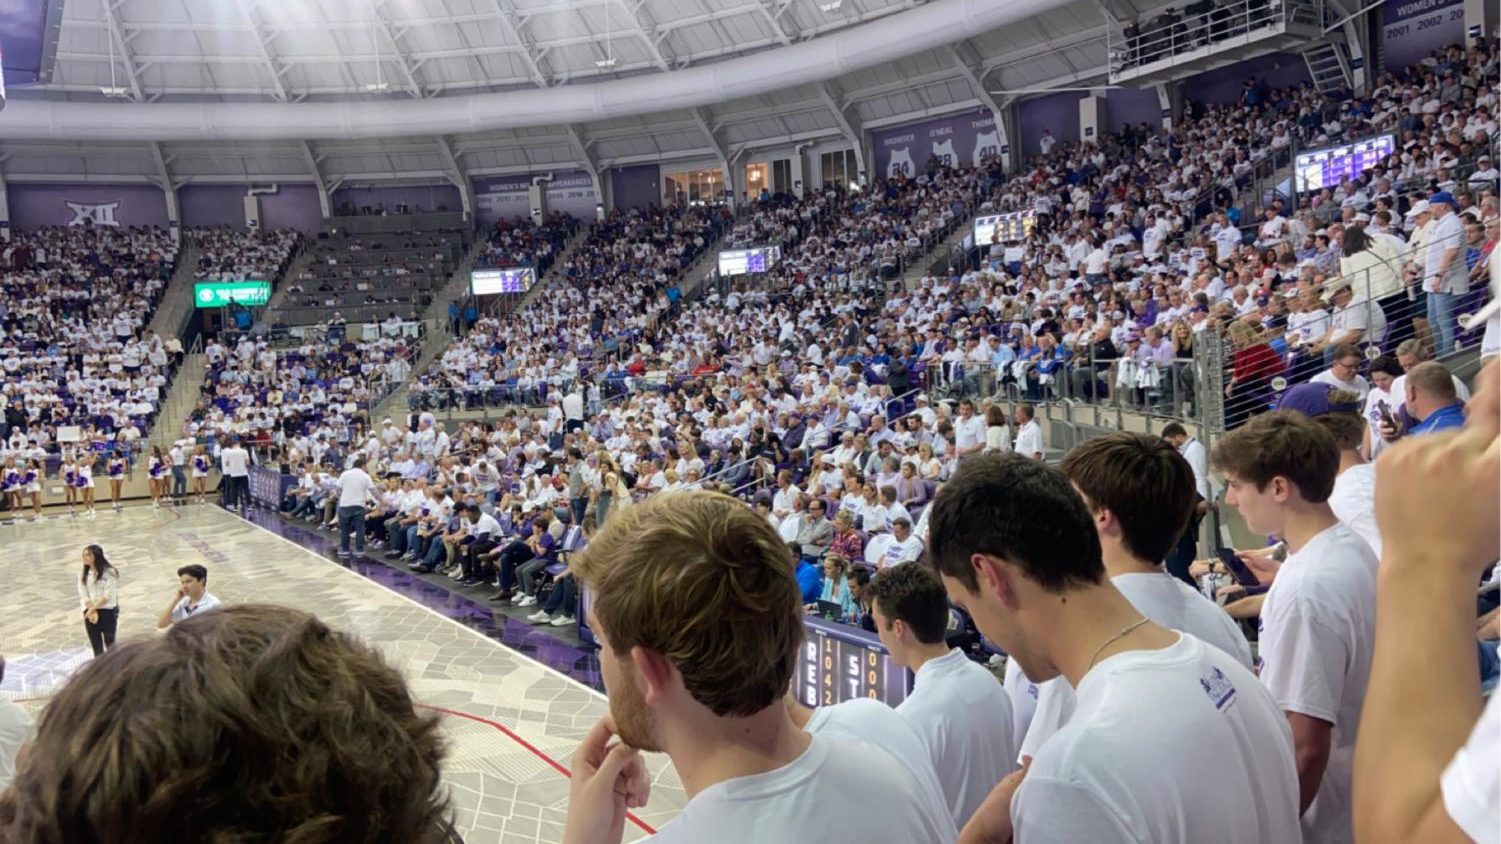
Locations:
(36, 206)
(636, 187)
(1133, 106)
(1058, 113)
(425, 197)
(959, 139)
(212, 205)
(1222, 85)
(1411, 29)
(292, 207)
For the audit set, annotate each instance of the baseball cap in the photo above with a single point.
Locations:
(1419, 207)
(1313, 400)
(1445, 197)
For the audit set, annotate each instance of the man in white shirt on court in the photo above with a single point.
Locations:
(355, 491)
(699, 672)
(1028, 433)
(1140, 493)
(958, 708)
(1172, 740)
(1318, 619)
(235, 461)
(191, 597)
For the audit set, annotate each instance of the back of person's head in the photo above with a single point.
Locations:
(1173, 430)
(252, 723)
(702, 580)
(1145, 484)
(1019, 510)
(1281, 444)
(913, 595)
(1431, 380)
(195, 571)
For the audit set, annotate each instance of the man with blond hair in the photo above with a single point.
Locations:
(699, 620)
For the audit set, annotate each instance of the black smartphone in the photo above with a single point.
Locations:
(1387, 417)
(1238, 568)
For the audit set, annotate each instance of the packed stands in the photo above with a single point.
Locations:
(524, 243)
(229, 255)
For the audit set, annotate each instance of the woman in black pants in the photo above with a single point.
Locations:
(98, 586)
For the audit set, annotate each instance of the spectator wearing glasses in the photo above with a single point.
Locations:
(1344, 372)
(816, 531)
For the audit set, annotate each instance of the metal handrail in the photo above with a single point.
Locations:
(1165, 37)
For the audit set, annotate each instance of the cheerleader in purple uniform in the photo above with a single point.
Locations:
(10, 485)
(116, 470)
(31, 481)
(157, 468)
(200, 472)
(69, 472)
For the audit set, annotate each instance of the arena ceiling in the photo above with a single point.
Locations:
(142, 52)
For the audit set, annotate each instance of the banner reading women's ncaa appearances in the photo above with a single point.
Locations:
(506, 197)
(1411, 29)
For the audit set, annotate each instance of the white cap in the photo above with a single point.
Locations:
(1419, 207)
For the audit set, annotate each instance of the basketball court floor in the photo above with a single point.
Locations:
(514, 701)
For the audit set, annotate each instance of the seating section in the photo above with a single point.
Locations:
(74, 349)
(367, 277)
(229, 255)
(523, 243)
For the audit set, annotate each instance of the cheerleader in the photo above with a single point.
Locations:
(10, 485)
(200, 472)
(70, 482)
(157, 468)
(31, 480)
(85, 483)
(116, 470)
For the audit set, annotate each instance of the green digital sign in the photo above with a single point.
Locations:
(219, 294)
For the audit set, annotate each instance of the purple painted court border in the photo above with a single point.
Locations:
(573, 659)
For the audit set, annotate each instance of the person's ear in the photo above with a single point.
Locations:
(655, 672)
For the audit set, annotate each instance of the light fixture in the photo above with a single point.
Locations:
(604, 63)
(830, 7)
(114, 91)
(377, 87)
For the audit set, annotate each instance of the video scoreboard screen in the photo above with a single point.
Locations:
(491, 282)
(221, 294)
(1326, 168)
(1004, 228)
(746, 261)
(839, 662)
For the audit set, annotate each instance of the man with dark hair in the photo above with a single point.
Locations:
(256, 742)
(957, 708)
(1139, 491)
(1318, 619)
(190, 598)
(698, 669)
(1182, 555)
(1172, 741)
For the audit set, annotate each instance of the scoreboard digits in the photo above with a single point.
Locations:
(841, 663)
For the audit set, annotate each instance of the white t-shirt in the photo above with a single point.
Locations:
(837, 790)
(185, 608)
(1173, 746)
(354, 488)
(1472, 782)
(1353, 501)
(236, 462)
(486, 526)
(1023, 694)
(16, 729)
(1318, 626)
(875, 723)
(1358, 385)
(1029, 439)
(1372, 411)
(1167, 601)
(963, 716)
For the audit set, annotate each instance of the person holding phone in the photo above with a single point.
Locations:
(190, 598)
(98, 592)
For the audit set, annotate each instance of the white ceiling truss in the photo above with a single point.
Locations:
(298, 51)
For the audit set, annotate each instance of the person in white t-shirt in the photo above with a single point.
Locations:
(699, 672)
(1385, 370)
(1318, 618)
(190, 598)
(1437, 499)
(1172, 740)
(958, 708)
(16, 730)
(355, 491)
(1028, 433)
(1140, 493)
(1344, 371)
(1353, 498)
(234, 460)
(878, 725)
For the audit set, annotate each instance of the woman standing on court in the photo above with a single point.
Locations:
(98, 587)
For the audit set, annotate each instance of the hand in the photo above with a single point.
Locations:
(1457, 476)
(1230, 591)
(991, 822)
(92, 615)
(182, 592)
(1388, 432)
(608, 778)
(1260, 563)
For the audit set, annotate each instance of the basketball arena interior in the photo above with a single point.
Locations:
(750, 421)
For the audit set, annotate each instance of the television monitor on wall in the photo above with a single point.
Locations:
(1326, 168)
(756, 259)
(493, 282)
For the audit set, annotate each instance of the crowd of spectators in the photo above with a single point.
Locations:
(523, 243)
(74, 348)
(229, 255)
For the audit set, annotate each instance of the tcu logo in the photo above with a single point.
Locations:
(901, 163)
(101, 214)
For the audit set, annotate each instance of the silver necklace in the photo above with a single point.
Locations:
(1124, 630)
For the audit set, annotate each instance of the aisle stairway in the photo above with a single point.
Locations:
(181, 398)
(177, 300)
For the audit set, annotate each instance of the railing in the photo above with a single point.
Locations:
(1202, 24)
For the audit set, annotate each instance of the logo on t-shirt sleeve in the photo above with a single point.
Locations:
(1218, 687)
